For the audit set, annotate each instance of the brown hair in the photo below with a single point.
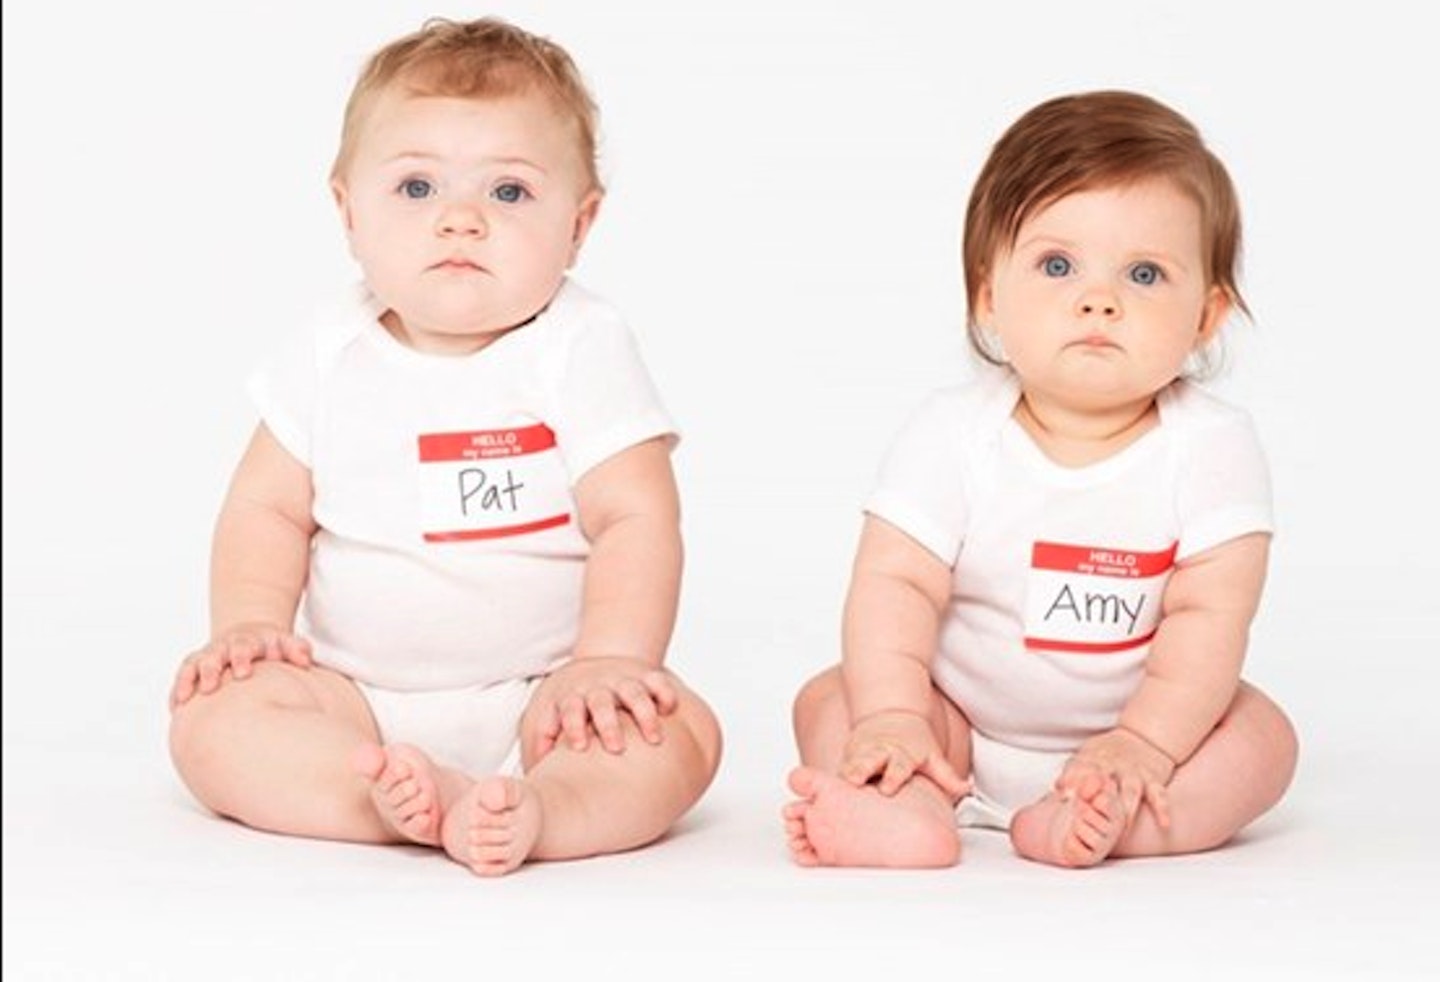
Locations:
(1084, 142)
(478, 59)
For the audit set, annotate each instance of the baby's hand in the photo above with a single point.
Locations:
(587, 696)
(237, 649)
(893, 746)
(1140, 770)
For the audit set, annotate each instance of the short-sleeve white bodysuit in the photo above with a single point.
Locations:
(449, 558)
(1058, 572)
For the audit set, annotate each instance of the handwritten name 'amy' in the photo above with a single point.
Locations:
(1095, 608)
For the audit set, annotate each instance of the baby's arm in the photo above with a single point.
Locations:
(1191, 674)
(630, 511)
(898, 593)
(258, 565)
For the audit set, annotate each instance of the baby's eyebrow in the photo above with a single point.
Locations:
(516, 162)
(1048, 240)
(1162, 257)
(426, 157)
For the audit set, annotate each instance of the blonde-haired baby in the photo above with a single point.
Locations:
(460, 487)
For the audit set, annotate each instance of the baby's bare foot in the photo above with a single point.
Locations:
(1077, 828)
(404, 788)
(834, 823)
(493, 826)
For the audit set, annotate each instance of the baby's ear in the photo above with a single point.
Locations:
(984, 301)
(342, 201)
(585, 214)
(1213, 316)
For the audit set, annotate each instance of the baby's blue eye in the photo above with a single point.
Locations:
(510, 193)
(416, 188)
(1146, 274)
(1056, 266)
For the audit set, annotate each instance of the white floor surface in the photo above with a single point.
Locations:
(111, 872)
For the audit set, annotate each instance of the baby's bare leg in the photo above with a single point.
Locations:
(597, 802)
(1241, 769)
(571, 804)
(1240, 772)
(274, 751)
(834, 823)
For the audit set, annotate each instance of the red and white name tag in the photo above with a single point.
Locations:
(1093, 600)
(488, 484)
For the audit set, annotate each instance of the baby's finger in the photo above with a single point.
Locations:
(549, 716)
(237, 653)
(267, 648)
(898, 770)
(296, 651)
(601, 706)
(1132, 793)
(210, 665)
(184, 686)
(574, 722)
(860, 767)
(640, 704)
(547, 728)
(943, 773)
(662, 688)
(243, 657)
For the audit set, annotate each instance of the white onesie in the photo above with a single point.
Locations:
(1058, 571)
(449, 555)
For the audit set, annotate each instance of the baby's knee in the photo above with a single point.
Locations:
(820, 697)
(1272, 721)
(1272, 736)
(207, 724)
(202, 726)
(703, 726)
(196, 738)
(1284, 745)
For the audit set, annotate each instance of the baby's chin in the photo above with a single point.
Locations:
(442, 336)
(471, 309)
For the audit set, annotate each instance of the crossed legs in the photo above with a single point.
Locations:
(296, 751)
(1238, 773)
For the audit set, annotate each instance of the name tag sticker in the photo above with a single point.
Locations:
(1093, 599)
(488, 484)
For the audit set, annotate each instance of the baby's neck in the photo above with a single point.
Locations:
(1078, 438)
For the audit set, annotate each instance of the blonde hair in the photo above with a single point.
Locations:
(1085, 142)
(478, 59)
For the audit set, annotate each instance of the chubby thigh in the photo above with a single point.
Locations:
(474, 729)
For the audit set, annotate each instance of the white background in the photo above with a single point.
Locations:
(787, 182)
